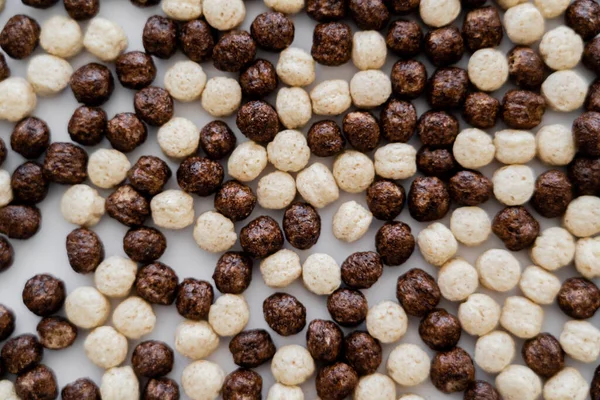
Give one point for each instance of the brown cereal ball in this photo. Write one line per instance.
(385, 199)
(363, 352)
(595, 385)
(301, 225)
(233, 272)
(440, 330)
(325, 138)
(398, 120)
(586, 131)
(259, 79)
(153, 105)
(428, 199)
(200, 176)
(144, 244)
(591, 56)
(21, 353)
(444, 46)
(160, 36)
(583, 16)
(161, 389)
(553, 193)
(258, 121)
(82, 9)
(403, 6)
(135, 69)
(196, 40)
(447, 88)
(470, 188)
(87, 125)
(4, 68)
(409, 78)
(369, 14)
(336, 382)
(37, 383)
(3, 151)
(30, 137)
(157, 284)
(284, 314)
(84, 250)
(361, 270)
(481, 110)
(404, 38)
(437, 128)
(417, 292)
(194, 298)
(395, 243)
(20, 36)
(481, 390)
(233, 51)
(92, 84)
(525, 67)
(361, 130)
(326, 10)
(272, 31)
(217, 140)
(127, 206)
(522, 109)
(7, 322)
(543, 354)
(242, 384)
(436, 162)
(81, 389)
(584, 173)
(252, 348)
(347, 307)
(56, 333)
(28, 183)
(144, 3)
(152, 359)
(7, 255)
(20, 222)
(332, 43)
(579, 298)
(452, 371)
(592, 100)
(235, 200)
(482, 28)
(44, 294)
(516, 227)
(149, 175)
(324, 340)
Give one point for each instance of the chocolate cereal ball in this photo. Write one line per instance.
(252, 348)
(395, 243)
(161, 389)
(481, 110)
(516, 227)
(436, 162)
(259, 79)
(347, 307)
(92, 84)
(583, 16)
(361, 130)
(87, 125)
(326, 10)
(194, 298)
(444, 46)
(28, 183)
(447, 88)
(332, 43)
(584, 173)
(440, 330)
(81, 389)
(144, 244)
(235, 200)
(522, 109)
(7, 255)
(553, 193)
(233, 51)
(586, 131)
(437, 128)
(302, 225)
(82, 9)
(44, 294)
(592, 100)
(153, 105)
(481, 390)
(200, 176)
(591, 56)
(404, 38)
(135, 69)
(336, 382)
(362, 352)
(21, 353)
(525, 67)
(385, 199)
(258, 121)
(20, 222)
(56, 333)
(196, 40)
(578, 298)
(543, 354)
(127, 206)
(417, 292)
(4, 68)
(152, 358)
(217, 140)
(324, 340)
(284, 314)
(452, 371)
(144, 3)
(272, 31)
(470, 188)
(325, 138)
(157, 283)
(125, 132)
(85, 250)
(149, 175)
(233, 273)
(369, 14)
(398, 120)
(160, 36)
(37, 383)
(361, 270)
(7, 322)
(20, 36)
(409, 78)
(242, 384)
(482, 28)
(3, 151)
(428, 199)
(30, 137)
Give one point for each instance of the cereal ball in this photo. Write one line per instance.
(153, 105)
(525, 67)
(498, 270)
(252, 348)
(233, 51)
(28, 183)
(224, 16)
(317, 185)
(543, 355)
(488, 69)
(202, 380)
(555, 144)
(281, 269)
(579, 298)
(482, 28)
(398, 120)
(258, 121)
(586, 260)
(539, 285)
(324, 340)
(17, 99)
(134, 318)
(19, 222)
(56, 333)
(87, 125)
(119, 382)
(481, 110)
(362, 130)
(494, 351)
(233, 273)
(261, 237)
(404, 38)
(229, 315)
(561, 48)
(473, 148)
(351, 222)
(258, 79)
(591, 59)
(84, 250)
(514, 146)
(444, 46)
(332, 43)
(38, 382)
(276, 190)
(65, 163)
(6, 188)
(82, 205)
(440, 330)
(408, 365)
(513, 184)
(92, 84)
(325, 138)
(417, 292)
(564, 91)
(436, 162)
(86, 307)
(387, 322)
(292, 365)
(235, 200)
(301, 225)
(554, 248)
(196, 40)
(347, 307)
(385, 199)
(152, 358)
(247, 161)
(581, 341)
(437, 128)
(336, 381)
(331, 97)
(524, 24)
(581, 216)
(115, 276)
(369, 15)
(195, 339)
(437, 244)
(470, 225)
(592, 101)
(194, 298)
(127, 206)
(321, 274)
(21, 353)
(296, 67)
(221, 96)
(325, 10)
(185, 81)
(395, 243)
(479, 314)
(361, 270)
(584, 132)
(409, 78)
(521, 317)
(82, 388)
(48, 75)
(447, 88)
(370, 88)
(159, 36)
(566, 383)
(517, 381)
(553, 193)
(480, 390)
(107, 168)
(584, 17)
(272, 31)
(6, 261)
(428, 199)
(125, 132)
(457, 280)
(522, 109)
(216, 139)
(144, 244)
(7, 322)
(395, 161)
(551, 9)
(362, 352)
(452, 371)
(157, 283)
(437, 13)
(293, 107)
(284, 314)
(284, 392)
(354, 171)
(105, 347)
(516, 227)
(288, 151)
(61, 37)
(242, 383)
(105, 39)
(182, 10)
(200, 176)
(44, 294)
(368, 50)
(20, 36)
(214, 232)
(375, 386)
(172, 209)
(178, 138)
(135, 69)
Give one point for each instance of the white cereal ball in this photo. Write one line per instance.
(119, 383)
(185, 81)
(498, 270)
(506, 4)
(331, 97)
(396, 161)
(7, 388)
(182, 10)
(86, 307)
(214, 232)
(457, 280)
(513, 184)
(48, 74)
(276, 190)
(202, 380)
(524, 24)
(375, 386)
(582, 217)
(115, 276)
(285, 6)
(61, 36)
(195, 339)
(292, 365)
(293, 107)
(351, 221)
(410, 397)
(518, 382)
(488, 69)
(82, 205)
(368, 50)
(564, 91)
(521, 317)
(178, 138)
(105, 347)
(551, 8)
(229, 315)
(387, 322)
(6, 193)
(473, 148)
(317, 185)
(281, 269)
(370, 88)
(408, 365)
(437, 244)
(553, 248)
(295, 67)
(353, 171)
(470, 225)
(494, 351)
(221, 96)
(539, 285)
(555, 144)
(105, 39)
(17, 99)
(561, 48)
(107, 168)
(224, 14)
(247, 161)
(581, 341)
(288, 151)
(568, 384)
(172, 209)
(321, 274)
(438, 13)
(587, 257)
(479, 314)
(514, 146)
(284, 392)
(134, 317)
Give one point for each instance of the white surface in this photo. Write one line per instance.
(45, 252)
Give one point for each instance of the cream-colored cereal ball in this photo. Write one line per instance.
(115, 275)
(514, 146)
(202, 380)
(524, 24)
(438, 13)
(276, 190)
(295, 67)
(195, 339)
(61, 36)
(582, 217)
(134, 317)
(224, 14)
(554, 248)
(561, 48)
(185, 81)
(214, 232)
(470, 225)
(370, 88)
(564, 90)
(172, 209)
(7, 388)
(284, 392)
(494, 351)
(457, 280)
(410, 397)
(281, 269)
(119, 383)
(539, 285)
(288, 151)
(48, 74)
(105, 39)
(521, 317)
(293, 107)
(506, 4)
(353, 171)
(86, 307)
(17, 99)
(321, 274)
(351, 221)
(221, 96)
(82, 205)
(317, 185)
(229, 315)
(105, 347)
(566, 384)
(587, 257)
(479, 314)
(182, 10)
(285, 6)
(551, 8)
(178, 138)
(513, 184)
(375, 386)
(396, 161)
(473, 148)
(331, 97)
(368, 50)
(6, 193)
(408, 365)
(498, 270)
(107, 168)
(437, 244)
(387, 322)
(292, 365)
(488, 69)
(581, 341)
(518, 382)
(555, 144)
(247, 161)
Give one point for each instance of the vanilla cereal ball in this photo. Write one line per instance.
(387, 322)
(317, 185)
(172, 209)
(551, 8)
(351, 221)
(288, 151)
(410, 397)
(353, 171)
(82, 205)
(582, 217)
(224, 15)
(295, 67)
(276, 190)
(105, 347)
(331, 97)
(587, 257)
(281, 269)
(437, 244)
(514, 146)
(561, 48)
(566, 384)
(564, 91)
(473, 148)
(221, 96)
(479, 314)
(408, 365)
(553, 248)
(182, 10)
(247, 161)
(494, 351)
(195, 339)
(105, 39)
(283, 392)
(488, 69)
(371, 88)
(285, 6)
(506, 4)
(498, 270)
(539, 285)
(470, 225)
(17, 99)
(521, 317)
(555, 144)
(581, 341)
(524, 24)
(119, 383)
(321, 274)
(368, 50)
(214, 232)
(229, 315)
(6, 193)
(107, 168)
(292, 365)
(178, 138)
(375, 386)
(396, 161)
(513, 184)
(438, 13)
(457, 280)
(134, 317)
(48, 74)
(202, 380)
(61, 36)
(86, 307)
(518, 382)
(293, 107)
(185, 81)
(7, 389)
(115, 276)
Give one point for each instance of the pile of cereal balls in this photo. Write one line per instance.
(368, 143)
